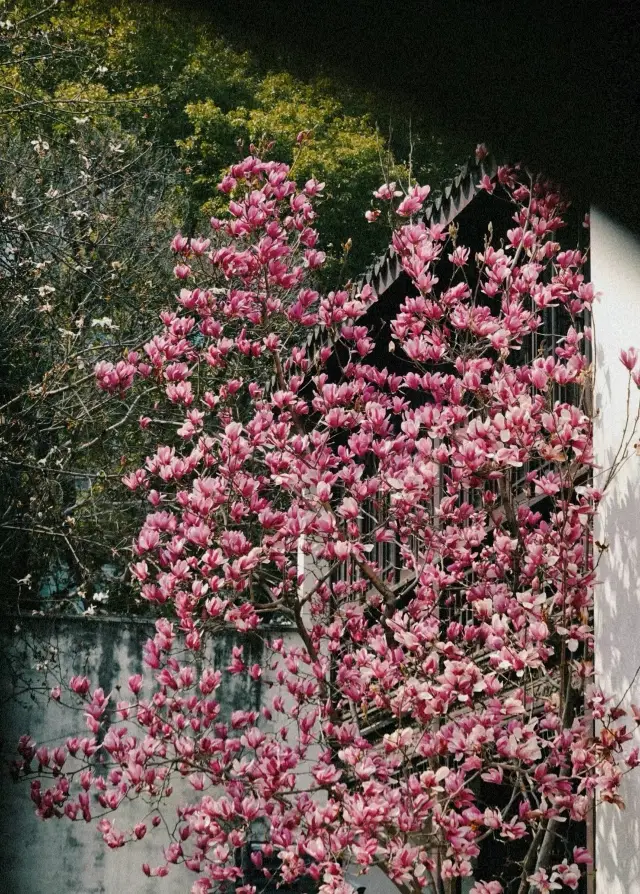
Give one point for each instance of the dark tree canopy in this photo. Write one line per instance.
(554, 84)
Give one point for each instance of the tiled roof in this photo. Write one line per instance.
(443, 208)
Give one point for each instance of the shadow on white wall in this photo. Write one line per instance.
(615, 271)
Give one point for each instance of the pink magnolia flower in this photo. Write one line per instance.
(387, 191)
(541, 882)
(408, 206)
(179, 243)
(459, 256)
(629, 358)
(80, 685)
(487, 888)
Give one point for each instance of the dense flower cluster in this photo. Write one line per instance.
(299, 464)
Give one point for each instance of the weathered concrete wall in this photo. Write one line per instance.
(615, 270)
(60, 857)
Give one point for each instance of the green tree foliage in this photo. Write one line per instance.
(116, 120)
(162, 72)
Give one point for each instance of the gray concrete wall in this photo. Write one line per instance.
(58, 856)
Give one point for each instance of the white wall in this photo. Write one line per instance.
(615, 271)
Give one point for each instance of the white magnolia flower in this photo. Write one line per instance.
(104, 323)
(40, 146)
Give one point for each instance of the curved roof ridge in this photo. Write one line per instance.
(442, 209)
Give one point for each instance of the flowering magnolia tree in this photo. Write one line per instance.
(425, 528)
